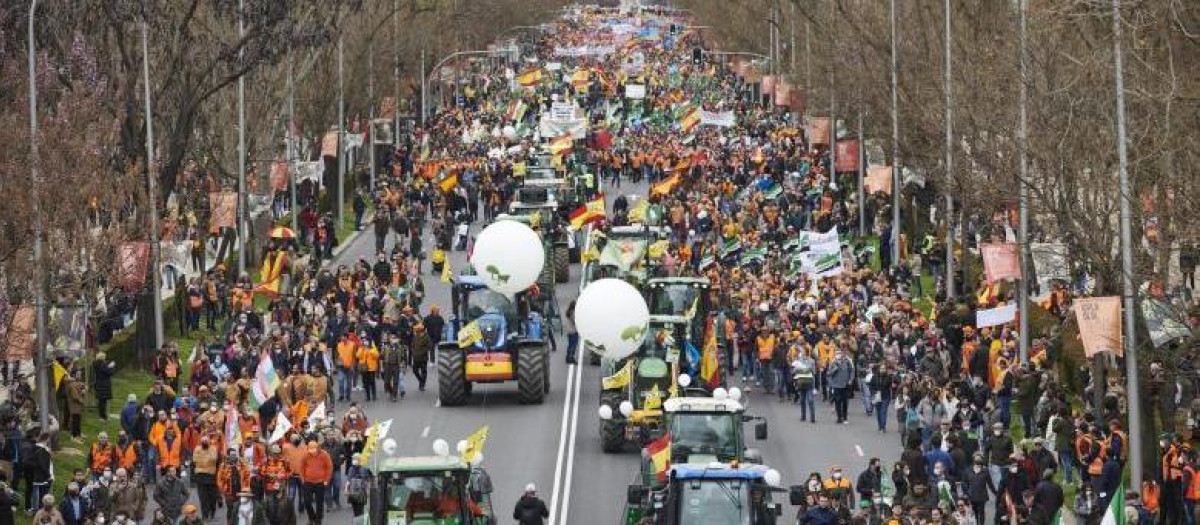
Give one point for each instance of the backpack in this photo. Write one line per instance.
(912, 419)
(356, 489)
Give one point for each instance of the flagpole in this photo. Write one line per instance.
(1131, 364)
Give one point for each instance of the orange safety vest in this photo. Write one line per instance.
(102, 457)
(127, 458)
(225, 479)
(170, 455)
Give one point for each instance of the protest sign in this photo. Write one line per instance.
(329, 144)
(1099, 321)
(1049, 263)
(132, 259)
(722, 119)
(635, 91)
(1000, 261)
(878, 179)
(222, 207)
(818, 130)
(996, 316)
(1165, 321)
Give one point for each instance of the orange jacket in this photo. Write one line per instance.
(316, 467)
(368, 358)
(345, 353)
(766, 345)
(225, 477)
(275, 473)
(295, 457)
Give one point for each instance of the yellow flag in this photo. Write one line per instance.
(653, 398)
(469, 334)
(638, 212)
(659, 248)
(475, 443)
(446, 270)
(619, 379)
(59, 373)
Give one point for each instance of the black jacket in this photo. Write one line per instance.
(979, 486)
(530, 510)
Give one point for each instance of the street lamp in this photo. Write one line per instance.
(437, 66)
(39, 293)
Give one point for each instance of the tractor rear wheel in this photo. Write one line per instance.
(562, 264)
(452, 378)
(612, 431)
(531, 374)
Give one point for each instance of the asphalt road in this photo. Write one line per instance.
(556, 445)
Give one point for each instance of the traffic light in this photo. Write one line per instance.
(697, 56)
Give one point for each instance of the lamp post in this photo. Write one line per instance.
(39, 292)
(896, 179)
(949, 87)
(341, 127)
(1022, 187)
(152, 190)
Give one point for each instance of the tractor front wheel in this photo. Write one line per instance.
(612, 431)
(531, 374)
(452, 378)
(562, 264)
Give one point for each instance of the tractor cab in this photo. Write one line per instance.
(433, 490)
(707, 429)
(679, 309)
(707, 494)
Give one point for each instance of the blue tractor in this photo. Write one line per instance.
(507, 344)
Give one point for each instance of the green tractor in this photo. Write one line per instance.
(429, 490)
(509, 346)
(700, 494)
(680, 307)
(536, 204)
(622, 253)
(709, 428)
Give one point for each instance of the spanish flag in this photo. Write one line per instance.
(710, 368)
(448, 182)
(530, 78)
(690, 119)
(590, 212)
(562, 145)
(659, 454)
(666, 186)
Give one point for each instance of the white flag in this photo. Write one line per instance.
(317, 416)
(282, 426)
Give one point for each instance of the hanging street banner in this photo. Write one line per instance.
(818, 130)
(878, 179)
(1165, 321)
(846, 153)
(1049, 263)
(132, 260)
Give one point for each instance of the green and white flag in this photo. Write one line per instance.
(758, 253)
(1115, 515)
(731, 246)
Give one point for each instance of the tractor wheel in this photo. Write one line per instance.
(612, 431)
(531, 374)
(546, 381)
(562, 264)
(452, 379)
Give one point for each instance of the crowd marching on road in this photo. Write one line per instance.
(270, 424)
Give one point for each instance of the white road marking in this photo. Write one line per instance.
(437, 403)
(562, 441)
(425, 433)
(566, 492)
(859, 450)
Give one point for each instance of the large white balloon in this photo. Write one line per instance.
(613, 317)
(508, 256)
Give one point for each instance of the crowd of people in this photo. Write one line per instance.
(856, 329)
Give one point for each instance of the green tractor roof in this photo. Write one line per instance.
(422, 464)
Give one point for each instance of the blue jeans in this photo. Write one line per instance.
(1004, 403)
(781, 381)
(808, 409)
(748, 362)
(572, 346)
(1066, 463)
(868, 407)
(881, 413)
(335, 486)
(344, 382)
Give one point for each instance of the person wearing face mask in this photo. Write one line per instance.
(171, 493)
(246, 511)
(870, 481)
(233, 480)
(99, 493)
(129, 496)
(998, 449)
(47, 514)
(73, 507)
(838, 487)
(316, 471)
(1013, 484)
(204, 463)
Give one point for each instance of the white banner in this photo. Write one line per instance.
(723, 119)
(996, 316)
(820, 242)
(635, 91)
(584, 51)
(175, 253)
(354, 140)
(309, 171)
(562, 111)
(576, 128)
(1049, 263)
